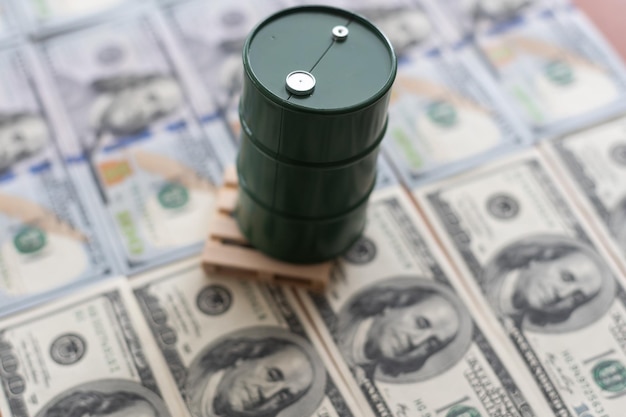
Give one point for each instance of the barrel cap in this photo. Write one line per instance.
(351, 67)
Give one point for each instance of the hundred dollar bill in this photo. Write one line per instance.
(525, 254)
(239, 349)
(467, 17)
(46, 15)
(443, 118)
(131, 118)
(385, 177)
(7, 24)
(82, 356)
(553, 66)
(48, 239)
(215, 53)
(594, 163)
(405, 339)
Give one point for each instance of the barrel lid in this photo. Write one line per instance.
(349, 70)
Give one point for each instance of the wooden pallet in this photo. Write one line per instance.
(226, 251)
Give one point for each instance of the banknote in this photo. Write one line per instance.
(26, 138)
(469, 17)
(594, 162)
(553, 67)
(236, 348)
(42, 15)
(7, 23)
(155, 167)
(443, 118)
(82, 356)
(216, 53)
(533, 262)
(385, 176)
(44, 224)
(407, 341)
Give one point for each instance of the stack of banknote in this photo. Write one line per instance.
(490, 279)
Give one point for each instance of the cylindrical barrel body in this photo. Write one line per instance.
(313, 112)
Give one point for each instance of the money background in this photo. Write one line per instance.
(134, 185)
(523, 248)
(396, 276)
(202, 325)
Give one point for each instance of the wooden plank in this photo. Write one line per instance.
(236, 261)
(227, 200)
(227, 252)
(224, 228)
(231, 177)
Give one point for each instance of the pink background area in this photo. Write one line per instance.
(608, 16)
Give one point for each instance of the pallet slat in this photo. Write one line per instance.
(224, 228)
(226, 251)
(227, 200)
(230, 177)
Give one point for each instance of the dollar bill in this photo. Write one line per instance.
(236, 348)
(81, 356)
(41, 16)
(528, 257)
(7, 23)
(385, 176)
(443, 118)
(470, 17)
(216, 54)
(132, 119)
(594, 162)
(48, 239)
(552, 65)
(406, 340)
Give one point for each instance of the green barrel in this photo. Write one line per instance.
(313, 113)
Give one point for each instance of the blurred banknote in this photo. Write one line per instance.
(385, 177)
(479, 16)
(47, 238)
(7, 23)
(525, 254)
(404, 337)
(215, 53)
(552, 64)
(81, 356)
(44, 14)
(595, 162)
(132, 120)
(239, 349)
(443, 118)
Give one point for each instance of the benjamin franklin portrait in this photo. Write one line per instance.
(404, 329)
(121, 105)
(260, 372)
(549, 283)
(106, 398)
(129, 104)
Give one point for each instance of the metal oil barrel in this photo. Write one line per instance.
(313, 113)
